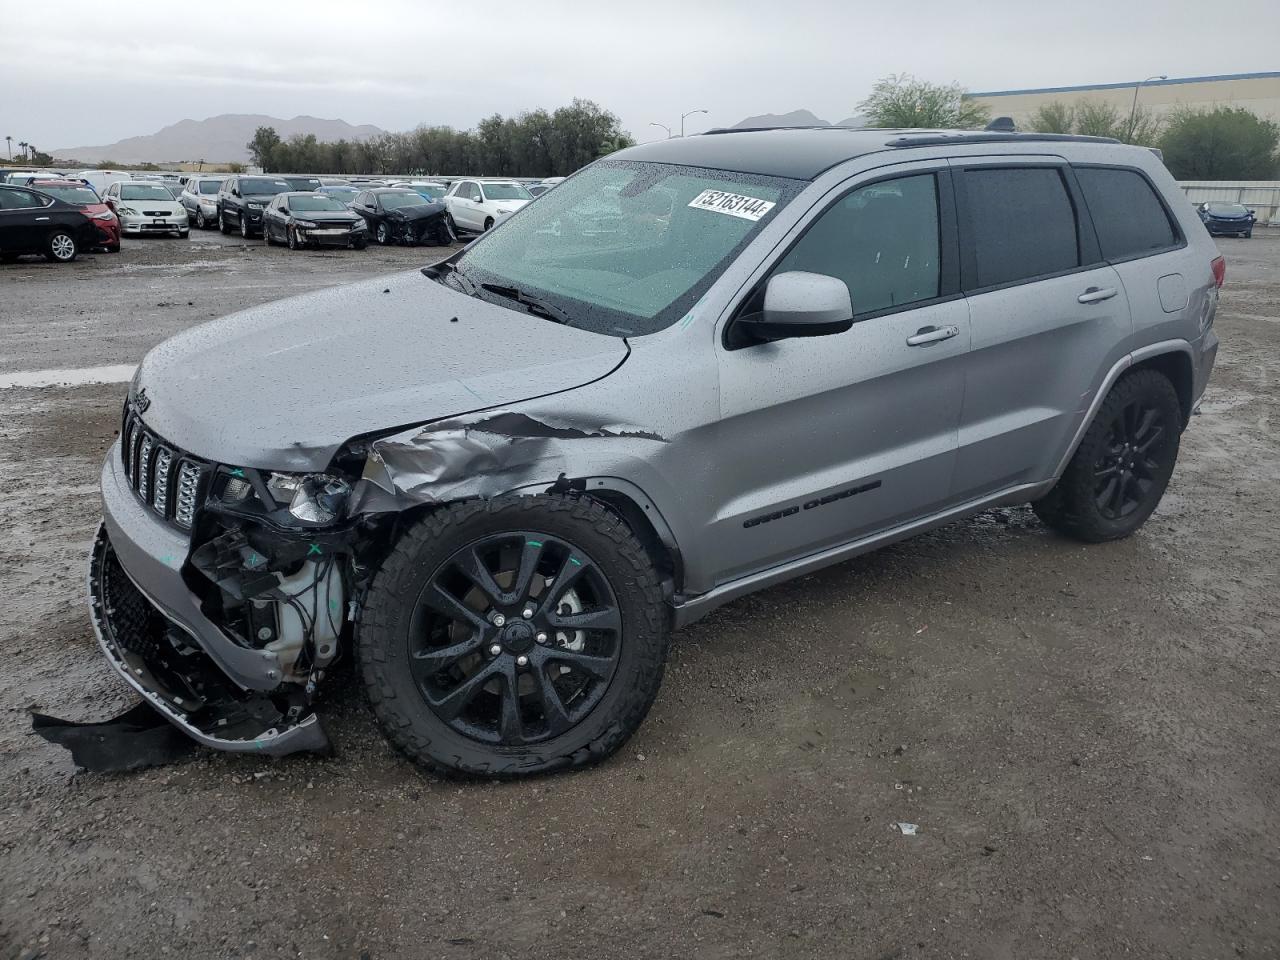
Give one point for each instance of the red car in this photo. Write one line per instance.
(83, 196)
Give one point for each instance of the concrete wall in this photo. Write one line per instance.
(1258, 92)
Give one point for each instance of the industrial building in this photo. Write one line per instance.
(1258, 92)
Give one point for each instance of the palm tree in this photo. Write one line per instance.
(23, 145)
(8, 142)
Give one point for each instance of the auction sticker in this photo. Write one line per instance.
(734, 204)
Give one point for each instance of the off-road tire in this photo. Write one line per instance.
(383, 648)
(1070, 507)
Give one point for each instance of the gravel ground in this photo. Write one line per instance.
(1086, 736)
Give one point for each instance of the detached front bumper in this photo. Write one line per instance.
(155, 635)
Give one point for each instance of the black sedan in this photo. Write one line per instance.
(398, 215)
(1227, 219)
(34, 222)
(304, 219)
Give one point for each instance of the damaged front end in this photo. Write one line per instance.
(225, 616)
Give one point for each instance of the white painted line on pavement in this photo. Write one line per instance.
(119, 373)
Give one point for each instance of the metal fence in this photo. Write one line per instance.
(1260, 196)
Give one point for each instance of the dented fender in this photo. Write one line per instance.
(487, 454)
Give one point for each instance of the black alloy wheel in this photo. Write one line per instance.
(1117, 475)
(515, 638)
(1128, 465)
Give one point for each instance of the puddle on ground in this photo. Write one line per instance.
(119, 373)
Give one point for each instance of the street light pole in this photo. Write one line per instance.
(1133, 110)
(689, 114)
(663, 126)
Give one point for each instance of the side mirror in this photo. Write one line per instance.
(801, 304)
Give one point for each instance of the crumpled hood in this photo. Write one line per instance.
(420, 211)
(284, 385)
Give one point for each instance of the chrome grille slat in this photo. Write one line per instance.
(160, 482)
(163, 477)
(184, 510)
(143, 483)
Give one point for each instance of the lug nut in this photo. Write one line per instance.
(522, 661)
(541, 638)
(499, 620)
(495, 649)
(528, 613)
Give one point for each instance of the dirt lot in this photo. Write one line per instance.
(1087, 736)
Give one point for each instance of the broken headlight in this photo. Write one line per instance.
(315, 499)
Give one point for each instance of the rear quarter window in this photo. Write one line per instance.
(1127, 214)
(1021, 224)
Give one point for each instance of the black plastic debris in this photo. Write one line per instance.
(138, 738)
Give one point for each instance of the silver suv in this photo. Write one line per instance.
(695, 369)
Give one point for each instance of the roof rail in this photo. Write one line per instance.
(719, 130)
(940, 139)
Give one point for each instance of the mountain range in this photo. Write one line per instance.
(218, 139)
(797, 118)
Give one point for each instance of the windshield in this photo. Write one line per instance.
(258, 187)
(627, 248)
(210, 186)
(428, 190)
(303, 183)
(345, 192)
(143, 191)
(76, 195)
(318, 202)
(402, 198)
(1230, 209)
(505, 191)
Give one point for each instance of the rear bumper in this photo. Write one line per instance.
(1204, 365)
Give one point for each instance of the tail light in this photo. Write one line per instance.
(1219, 267)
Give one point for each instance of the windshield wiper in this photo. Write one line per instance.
(535, 305)
(439, 271)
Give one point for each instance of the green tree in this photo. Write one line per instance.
(900, 100)
(1222, 143)
(1054, 117)
(265, 140)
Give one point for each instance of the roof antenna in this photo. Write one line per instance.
(1001, 125)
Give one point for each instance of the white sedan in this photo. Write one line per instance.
(476, 205)
(146, 208)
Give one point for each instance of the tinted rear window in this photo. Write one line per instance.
(1022, 224)
(1128, 216)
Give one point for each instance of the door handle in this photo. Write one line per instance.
(927, 335)
(1097, 295)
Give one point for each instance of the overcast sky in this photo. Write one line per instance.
(95, 72)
